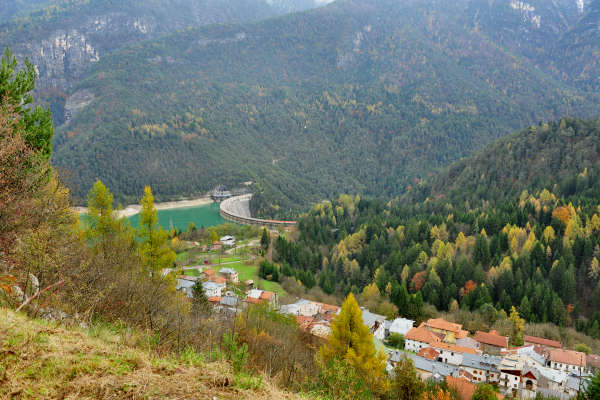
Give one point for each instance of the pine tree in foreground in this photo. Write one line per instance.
(351, 341)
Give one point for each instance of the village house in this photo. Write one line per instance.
(592, 363)
(491, 342)
(229, 303)
(310, 308)
(468, 342)
(450, 331)
(429, 353)
(230, 274)
(208, 275)
(483, 368)
(529, 383)
(567, 360)
(312, 317)
(316, 327)
(185, 284)
(429, 369)
(375, 323)
(527, 354)
(256, 296)
(575, 384)
(228, 241)
(450, 353)
(551, 382)
(419, 338)
(511, 369)
(400, 326)
(212, 289)
(545, 344)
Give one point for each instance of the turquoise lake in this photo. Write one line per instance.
(201, 216)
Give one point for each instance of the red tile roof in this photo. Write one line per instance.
(542, 341)
(428, 353)
(454, 348)
(209, 272)
(266, 295)
(464, 388)
(214, 299)
(491, 338)
(219, 279)
(442, 324)
(421, 335)
(569, 357)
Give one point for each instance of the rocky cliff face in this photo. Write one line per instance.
(65, 44)
(64, 55)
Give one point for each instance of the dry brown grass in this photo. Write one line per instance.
(39, 359)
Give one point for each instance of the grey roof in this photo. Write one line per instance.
(369, 318)
(229, 271)
(552, 374)
(575, 383)
(401, 325)
(535, 357)
(434, 367)
(396, 356)
(231, 301)
(485, 362)
(210, 285)
(184, 284)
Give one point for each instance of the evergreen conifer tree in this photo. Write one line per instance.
(351, 341)
(154, 250)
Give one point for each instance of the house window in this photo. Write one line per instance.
(529, 384)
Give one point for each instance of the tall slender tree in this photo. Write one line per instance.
(351, 341)
(154, 250)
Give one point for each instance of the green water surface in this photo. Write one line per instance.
(201, 216)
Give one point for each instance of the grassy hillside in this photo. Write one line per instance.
(42, 359)
(358, 96)
(561, 156)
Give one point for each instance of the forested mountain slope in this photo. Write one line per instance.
(11, 8)
(66, 37)
(561, 156)
(578, 51)
(361, 96)
(534, 245)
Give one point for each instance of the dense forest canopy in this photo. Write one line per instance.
(561, 156)
(366, 97)
(538, 251)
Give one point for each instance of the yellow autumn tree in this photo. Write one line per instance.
(518, 327)
(154, 248)
(351, 341)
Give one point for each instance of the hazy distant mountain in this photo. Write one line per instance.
(578, 51)
(11, 8)
(358, 96)
(65, 39)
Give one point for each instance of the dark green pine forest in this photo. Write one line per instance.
(485, 246)
(367, 97)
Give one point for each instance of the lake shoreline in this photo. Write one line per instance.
(134, 209)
